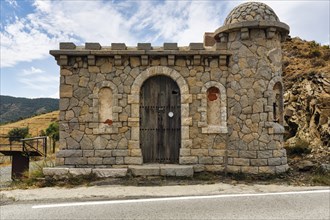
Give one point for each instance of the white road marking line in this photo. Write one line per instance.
(174, 199)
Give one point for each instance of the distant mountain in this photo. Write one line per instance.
(13, 109)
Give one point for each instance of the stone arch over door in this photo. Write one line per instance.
(134, 101)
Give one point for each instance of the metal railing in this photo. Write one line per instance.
(36, 146)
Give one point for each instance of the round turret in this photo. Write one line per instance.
(251, 11)
(248, 16)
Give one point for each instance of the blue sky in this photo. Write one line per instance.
(30, 28)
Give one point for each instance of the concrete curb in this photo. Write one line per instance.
(125, 192)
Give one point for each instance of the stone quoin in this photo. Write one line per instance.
(211, 106)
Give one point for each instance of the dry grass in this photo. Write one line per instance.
(35, 124)
(321, 179)
(301, 57)
(34, 177)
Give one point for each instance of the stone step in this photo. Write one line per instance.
(162, 170)
(62, 172)
(136, 170)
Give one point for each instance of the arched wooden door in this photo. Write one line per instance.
(160, 120)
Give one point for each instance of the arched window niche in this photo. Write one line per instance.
(275, 111)
(213, 108)
(278, 103)
(105, 108)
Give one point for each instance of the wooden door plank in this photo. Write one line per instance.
(160, 135)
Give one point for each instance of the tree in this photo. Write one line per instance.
(53, 132)
(16, 134)
(42, 133)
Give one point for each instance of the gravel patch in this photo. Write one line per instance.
(5, 173)
(5, 176)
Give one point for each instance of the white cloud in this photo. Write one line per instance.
(38, 80)
(41, 82)
(309, 20)
(12, 3)
(178, 21)
(87, 20)
(163, 20)
(200, 20)
(30, 38)
(31, 71)
(22, 42)
(55, 95)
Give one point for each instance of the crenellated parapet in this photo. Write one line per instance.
(197, 52)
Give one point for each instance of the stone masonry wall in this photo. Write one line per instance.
(231, 97)
(255, 67)
(87, 142)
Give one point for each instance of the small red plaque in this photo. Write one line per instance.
(108, 122)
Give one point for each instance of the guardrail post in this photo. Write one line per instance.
(20, 164)
(45, 146)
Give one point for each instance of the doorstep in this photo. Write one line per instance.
(162, 170)
(136, 170)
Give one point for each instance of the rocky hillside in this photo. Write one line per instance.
(306, 72)
(13, 109)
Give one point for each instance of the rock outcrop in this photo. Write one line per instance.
(306, 73)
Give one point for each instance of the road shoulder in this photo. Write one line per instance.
(130, 192)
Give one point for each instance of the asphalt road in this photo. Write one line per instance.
(285, 205)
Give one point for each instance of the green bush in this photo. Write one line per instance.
(42, 133)
(314, 44)
(53, 132)
(316, 62)
(315, 53)
(321, 179)
(16, 134)
(301, 147)
(326, 47)
(239, 176)
(34, 177)
(326, 55)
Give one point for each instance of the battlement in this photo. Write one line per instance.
(197, 51)
(69, 48)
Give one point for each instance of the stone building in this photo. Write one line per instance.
(212, 106)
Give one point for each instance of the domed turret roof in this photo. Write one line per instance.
(251, 11)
